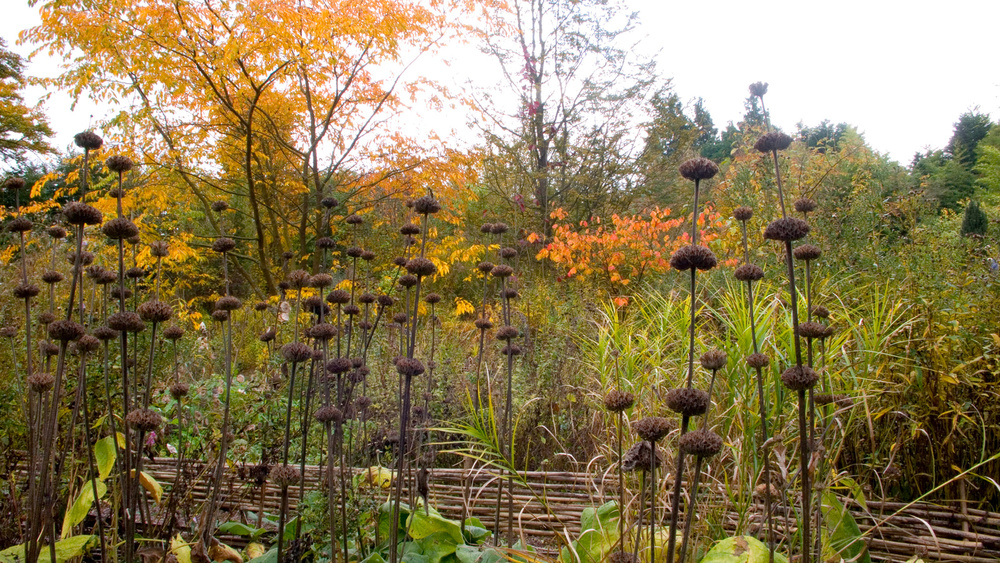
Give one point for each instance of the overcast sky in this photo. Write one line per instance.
(901, 71)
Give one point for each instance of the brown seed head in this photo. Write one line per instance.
(409, 367)
(126, 321)
(640, 458)
(618, 401)
(508, 253)
(227, 303)
(799, 378)
(821, 311)
(687, 401)
(173, 332)
(25, 290)
(743, 213)
(700, 443)
(502, 271)
(88, 140)
(179, 390)
(119, 163)
(421, 267)
(46, 318)
(748, 272)
(787, 229)
(77, 213)
(220, 205)
(354, 219)
(433, 298)
(155, 311)
(507, 333)
(812, 329)
(426, 205)
(338, 366)
(805, 205)
(773, 141)
(19, 225)
(407, 280)
(296, 352)
(409, 229)
(693, 256)
(324, 331)
(65, 330)
(483, 324)
(104, 333)
(284, 476)
(325, 243)
(220, 316)
(56, 232)
(499, 228)
(698, 169)
(13, 183)
(298, 279)
(338, 297)
(758, 360)
(329, 414)
(223, 244)
(144, 420)
(159, 248)
(652, 428)
(52, 277)
(758, 89)
(40, 382)
(713, 360)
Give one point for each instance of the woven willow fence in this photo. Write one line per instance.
(547, 504)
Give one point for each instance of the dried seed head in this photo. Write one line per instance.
(821, 311)
(88, 140)
(133, 240)
(512, 350)
(19, 225)
(433, 298)
(324, 331)
(77, 213)
(325, 243)
(502, 271)
(338, 297)
(296, 352)
(223, 244)
(119, 163)
(227, 303)
(787, 229)
(159, 248)
(116, 193)
(329, 414)
(354, 219)
(385, 300)
(363, 402)
(135, 273)
(173, 332)
(399, 261)
(354, 252)
(298, 279)
(56, 232)
(640, 458)
(25, 290)
(485, 267)
(758, 89)
(87, 344)
(14, 184)
(144, 420)
(508, 253)
(338, 366)
(284, 476)
(622, 556)
(773, 141)
(426, 205)
(154, 311)
(52, 277)
(268, 335)
(618, 401)
(700, 443)
(507, 333)
(805, 205)
(86, 258)
(407, 280)
(48, 348)
(749, 272)
(499, 228)
(46, 318)
(117, 292)
(807, 252)
(65, 330)
(687, 401)
(486, 228)
(713, 360)
(693, 256)
(368, 298)
(758, 360)
(799, 378)
(106, 276)
(104, 333)
(260, 306)
(179, 390)
(220, 205)
(812, 329)
(838, 399)
(329, 202)
(652, 428)
(742, 213)
(409, 367)
(483, 324)
(409, 229)
(421, 267)
(320, 281)
(368, 255)
(220, 316)
(40, 382)
(698, 169)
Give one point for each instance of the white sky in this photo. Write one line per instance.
(901, 71)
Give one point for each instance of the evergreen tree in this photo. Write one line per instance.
(975, 221)
(22, 129)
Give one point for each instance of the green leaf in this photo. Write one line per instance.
(78, 511)
(741, 549)
(422, 525)
(475, 532)
(272, 557)
(468, 554)
(437, 546)
(104, 454)
(237, 529)
(385, 520)
(842, 537)
(69, 548)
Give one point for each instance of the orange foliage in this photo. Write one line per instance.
(624, 251)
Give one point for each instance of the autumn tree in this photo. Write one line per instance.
(273, 105)
(580, 91)
(23, 129)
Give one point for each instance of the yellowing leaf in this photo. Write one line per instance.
(79, 509)
(151, 485)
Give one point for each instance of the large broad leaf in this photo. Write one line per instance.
(79, 509)
(181, 549)
(475, 532)
(150, 484)
(66, 549)
(272, 557)
(467, 554)
(741, 549)
(841, 536)
(385, 520)
(437, 546)
(104, 455)
(237, 529)
(423, 523)
(598, 535)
